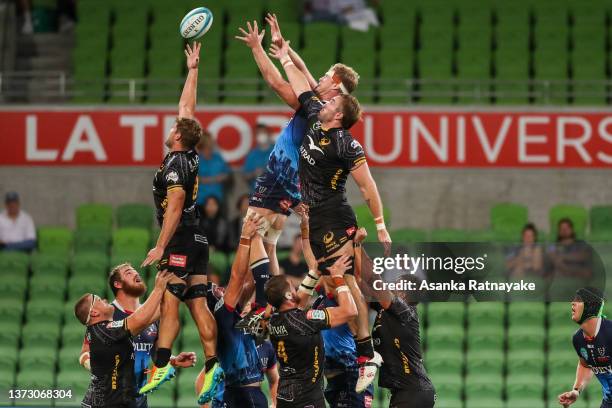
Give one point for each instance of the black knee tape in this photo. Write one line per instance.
(195, 291)
(330, 261)
(177, 289)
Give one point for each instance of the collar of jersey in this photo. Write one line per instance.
(329, 129)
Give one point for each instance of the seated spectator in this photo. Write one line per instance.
(214, 225)
(213, 171)
(17, 231)
(235, 227)
(257, 159)
(294, 265)
(353, 13)
(528, 259)
(570, 257)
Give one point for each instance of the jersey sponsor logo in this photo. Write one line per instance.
(142, 346)
(328, 238)
(584, 353)
(312, 146)
(334, 180)
(178, 260)
(356, 145)
(602, 370)
(115, 324)
(315, 314)
(306, 156)
(172, 177)
(279, 331)
(315, 364)
(200, 238)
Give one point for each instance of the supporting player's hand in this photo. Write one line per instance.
(251, 224)
(185, 359)
(252, 38)
(193, 55)
(341, 265)
(277, 37)
(385, 239)
(161, 279)
(154, 255)
(568, 398)
(279, 52)
(360, 235)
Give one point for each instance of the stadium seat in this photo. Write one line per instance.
(526, 338)
(37, 357)
(92, 239)
(526, 314)
(14, 262)
(525, 391)
(73, 332)
(484, 362)
(480, 391)
(57, 240)
(508, 220)
(218, 261)
(525, 361)
(485, 338)
(441, 337)
(95, 215)
(41, 334)
(49, 264)
(90, 264)
(483, 314)
(408, 235)
(48, 287)
(445, 313)
(130, 241)
(9, 336)
(576, 213)
(11, 309)
(79, 285)
(365, 220)
(74, 380)
(134, 216)
(45, 310)
(600, 221)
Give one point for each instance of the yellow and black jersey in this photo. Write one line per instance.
(112, 365)
(326, 158)
(296, 337)
(178, 170)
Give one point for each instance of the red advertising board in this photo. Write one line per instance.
(392, 139)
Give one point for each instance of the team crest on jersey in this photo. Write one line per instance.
(356, 145)
(584, 353)
(178, 260)
(324, 141)
(115, 324)
(314, 314)
(329, 237)
(601, 351)
(172, 177)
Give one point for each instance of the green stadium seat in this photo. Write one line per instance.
(486, 338)
(37, 357)
(365, 220)
(559, 313)
(600, 221)
(13, 287)
(79, 285)
(526, 338)
(14, 262)
(448, 235)
(408, 235)
(56, 240)
(73, 332)
(525, 391)
(95, 215)
(75, 380)
(509, 218)
(90, 264)
(440, 337)
(576, 213)
(560, 337)
(135, 216)
(526, 314)
(481, 362)
(481, 314)
(92, 239)
(47, 287)
(11, 309)
(9, 336)
(525, 361)
(41, 334)
(49, 264)
(35, 378)
(218, 261)
(445, 313)
(444, 363)
(483, 388)
(45, 310)
(131, 241)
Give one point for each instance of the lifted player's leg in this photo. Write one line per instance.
(271, 239)
(195, 298)
(169, 327)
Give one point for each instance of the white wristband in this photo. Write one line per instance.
(84, 360)
(381, 226)
(342, 288)
(309, 282)
(576, 393)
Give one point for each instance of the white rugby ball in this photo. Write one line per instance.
(196, 23)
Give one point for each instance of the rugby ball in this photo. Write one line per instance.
(196, 23)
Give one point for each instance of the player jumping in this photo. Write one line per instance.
(181, 246)
(327, 155)
(593, 344)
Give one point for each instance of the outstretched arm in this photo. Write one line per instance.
(583, 376)
(188, 97)
(277, 38)
(146, 314)
(297, 79)
(252, 38)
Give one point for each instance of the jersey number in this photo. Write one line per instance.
(281, 352)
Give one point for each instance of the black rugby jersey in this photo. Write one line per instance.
(326, 158)
(397, 339)
(178, 170)
(296, 337)
(112, 365)
(597, 354)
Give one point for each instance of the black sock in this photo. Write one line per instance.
(365, 348)
(210, 363)
(162, 357)
(261, 274)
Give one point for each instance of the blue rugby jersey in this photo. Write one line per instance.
(597, 354)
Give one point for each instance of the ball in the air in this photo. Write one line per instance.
(196, 23)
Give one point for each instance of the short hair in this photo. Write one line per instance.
(348, 76)
(351, 111)
(190, 131)
(275, 290)
(81, 308)
(531, 227)
(115, 276)
(569, 222)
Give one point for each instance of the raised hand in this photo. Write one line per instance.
(277, 37)
(252, 38)
(341, 265)
(279, 52)
(193, 55)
